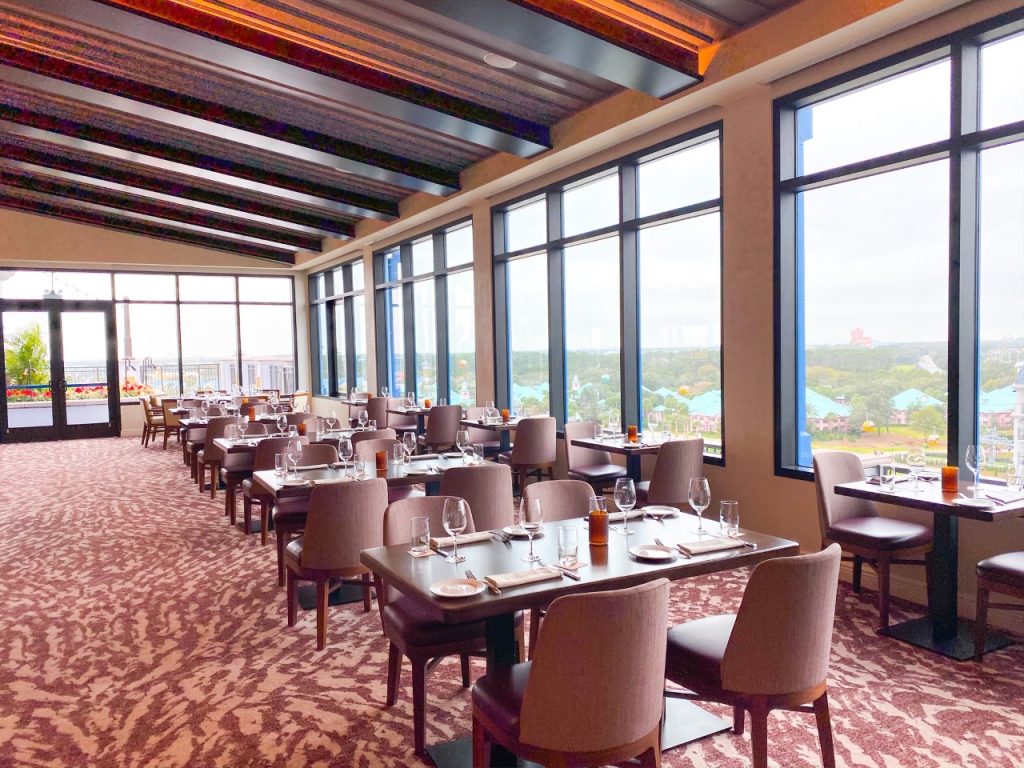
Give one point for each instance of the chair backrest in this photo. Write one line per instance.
(561, 499)
(578, 456)
(677, 462)
(318, 453)
(782, 637)
(616, 676)
(830, 469)
(300, 400)
(263, 456)
(343, 520)
(217, 410)
(488, 489)
(172, 420)
(536, 442)
(255, 429)
(215, 428)
(366, 450)
(399, 419)
(147, 409)
(442, 425)
(294, 419)
(372, 434)
(477, 434)
(377, 409)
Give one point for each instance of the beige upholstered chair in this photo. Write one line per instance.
(488, 489)
(366, 450)
(1003, 574)
(534, 451)
(300, 401)
(210, 456)
(344, 519)
(478, 436)
(857, 527)
(263, 459)
(677, 462)
(377, 410)
(400, 422)
(372, 434)
(582, 703)
(172, 421)
(442, 426)
(236, 468)
(588, 464)
(153, 423)
(772, 654)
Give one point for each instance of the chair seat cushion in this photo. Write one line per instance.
(879, 533)
(505, 457)
(499, 696)
(291, 512)
(399, 492)
(695, 651)
(406, 618)
(592, 472)
(1006, 569)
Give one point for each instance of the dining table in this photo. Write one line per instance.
(413, 410)
(605, 568)
(942, 630)
(645, 445)
(495, 424)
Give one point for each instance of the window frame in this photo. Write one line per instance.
(330, 301)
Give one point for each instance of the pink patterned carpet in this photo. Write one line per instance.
(138, 629)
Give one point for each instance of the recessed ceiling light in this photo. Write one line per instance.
(498, 61)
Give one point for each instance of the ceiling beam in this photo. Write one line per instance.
(569, 32)
(55, 208)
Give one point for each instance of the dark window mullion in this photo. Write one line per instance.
(629, 323)
(441, 315)
(557, 382)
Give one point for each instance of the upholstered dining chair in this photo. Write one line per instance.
(860, 530)
(210, 456)
(582, 703)
(588, 464)
(410, 631)
(172, 421)
(535, 450)
(344, 519)
(480, 436)
(237, 467)
(400, 422)
(366, 451)
(1003, 574)
(263, 459)
(289, 514)
(442, 427)
(772, 654)
(153, 423)
(676, 463)
(488, 489)
(377, 410)
(372, 434)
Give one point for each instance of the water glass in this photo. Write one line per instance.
(442, 401)
(397, 454)
(280, 464)
(419, 533)
(478, 453)
(729, 518)
(231, 432)
(597, 430)
(568, 545)
(699, 497)
(371, 424)
(887, 475)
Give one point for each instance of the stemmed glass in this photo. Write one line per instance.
(362, 418)
(916, 461)
(243, 424)
(625, 500)
(454, 521)
(489, 410)
(409, 444)
(531, 515)
(352, 395)
(700, 498)
(975, 460)
(205, 408)
(462, 442)
(332, 419)
(294, 453)
(385, 391)
(344, 451)
(282, 423)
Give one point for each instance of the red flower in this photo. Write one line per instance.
(47, 393)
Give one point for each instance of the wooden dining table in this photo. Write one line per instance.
(418, 411)
(503, 428)
(645, 446)
(941, 630)
(608, 567)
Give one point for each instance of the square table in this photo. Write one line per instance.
(503, 428)
(418, 411)
(941, 631)
(610, 567)
(645, 446)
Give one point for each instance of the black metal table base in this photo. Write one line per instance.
(342, 594)
(960, 647)
(254, 525)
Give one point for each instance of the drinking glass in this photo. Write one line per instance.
(568, 545)
(243, 424)
(362, 418)
(729, 518)
(419, 533)
(205, 408)
(1015, 480)
(371, 424)
(700, 498)
(531, 515)
(478, 453)
(887, 474)
(916, 461)
(625, 500)
(282, 423)
(344, 451)
(454, 520)
(293, 430)
(398, 455)
(332, 419)
(352, 395)
(597, 430)
(409, 444)
(385, 391)
(975, 461)
(410, 398)
(231, 432)
(280, 464)
(462, 442)
(442, 401)
(294, 452)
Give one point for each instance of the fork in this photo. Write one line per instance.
(494, 589)
(679, 549)
(653, 517)
(503, 537)
(564, 571)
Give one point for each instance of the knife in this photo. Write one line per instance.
(564, 571)
(439, 551)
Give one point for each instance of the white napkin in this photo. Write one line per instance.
(519, 578)
(466, 538)
(709, 544)
(425, 457)
(616, 517)
(1005, 495)
(332, 481)
(303, 467)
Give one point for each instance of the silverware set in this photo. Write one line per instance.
(491, 587)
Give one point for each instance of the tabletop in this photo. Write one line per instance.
(619, 444)
(493, 426)
(933, 499)
(422, 469)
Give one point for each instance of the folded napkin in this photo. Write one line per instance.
(616, 517)
(876, 480)
(453, 455)
(332, 480)
(519, 578)
(466, 538)
(425, 457)
(1005, 495)
(709, 544)
(303, 467)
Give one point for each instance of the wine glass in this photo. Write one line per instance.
(409, 444)
(282, 423)
(385, 391)
(489, 409)
(625, 500)
(294, 453)
(531, 515)
(243, 424)
(205, 408)
(410, 399)
(462, 442)
(700, 498)
(344, 451)
(363, 418)
(454, 521)
(975, 461)
(332, 419)
(916, 461)
(352, 395)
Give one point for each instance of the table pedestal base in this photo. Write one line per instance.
(254, 525)
(340, 595)
(919, 632)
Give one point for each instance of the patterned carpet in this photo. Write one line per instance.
(139, 629)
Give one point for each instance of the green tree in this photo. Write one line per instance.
(26, 358)
(928, 420)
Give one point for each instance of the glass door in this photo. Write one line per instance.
(60, 370)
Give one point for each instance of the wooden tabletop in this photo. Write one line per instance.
(421, 470)
(933, 499)
(610, 567)
(493, 426)
(619, 444)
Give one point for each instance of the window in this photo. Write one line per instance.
(901, 324)
(426, 338)
(608, 294)
(337, 330)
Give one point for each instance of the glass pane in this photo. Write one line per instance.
(1002, 81)
(268, 337)
(318, 286)
(425, 321)
(680, 328)
(423, 256)
(32, 284)
(1001, 313)
(528, 334)
(338, 281)
(277, 289)
(359, 331)
(526, 225)
(139, 286)
(461, 339)
(340, 360)
(458, 245)
(209, 348)
(592, 344)
(392, 266)
(206, 288)
(875, 303)
(147, 348)
(395, 330)
(27, 369)
(682, 178)
(323, 361)
(590, 206)
(900, 112)
(357, 275)
(85, 367)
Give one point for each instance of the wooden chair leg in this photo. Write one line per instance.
(883, 592)
(367, 594)
(282, 542)
(980, 623)
(214, 479)
(246, 512)
(264, 520)
(858, 567)
(394, 674)
(464, 666)
(481, 746)
(292, 598)
(322, 594)
(759, 734)
(534, 630)
(419, 705)
(167, 434)
(738, 715)
(824, 720)
(521, 642)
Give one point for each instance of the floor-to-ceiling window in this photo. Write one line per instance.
(338, 330)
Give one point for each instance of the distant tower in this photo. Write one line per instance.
(1018, 417)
